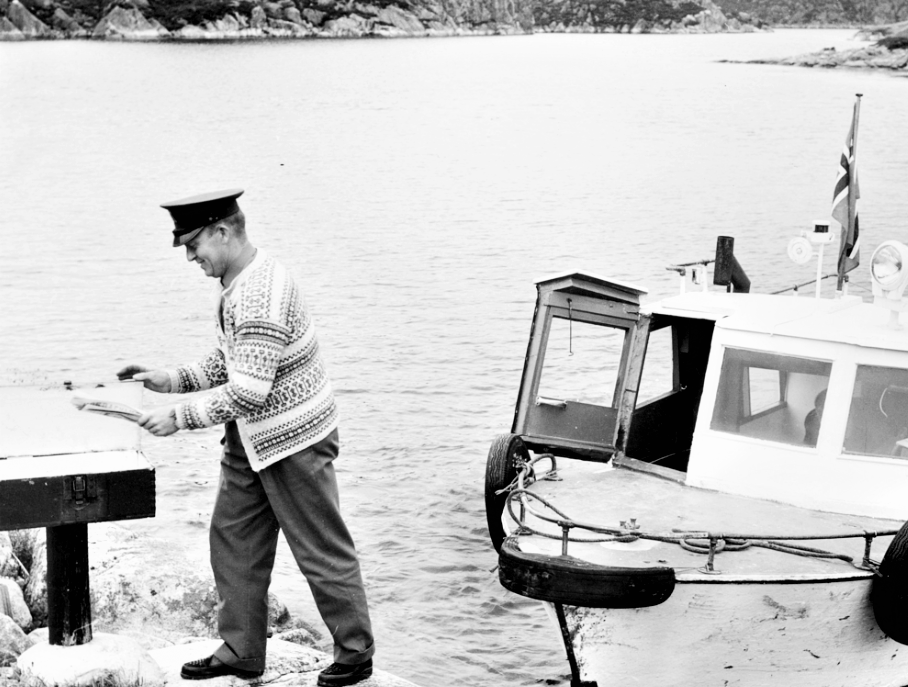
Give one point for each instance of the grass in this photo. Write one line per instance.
(108, 679)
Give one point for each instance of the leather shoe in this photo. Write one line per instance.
(338, 674)
(207, 668)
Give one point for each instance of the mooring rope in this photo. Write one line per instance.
(700, 542)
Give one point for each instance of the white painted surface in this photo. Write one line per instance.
(819, 634)
(25, 467)
(821, 477)
(36, 421)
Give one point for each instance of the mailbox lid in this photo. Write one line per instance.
(45, 491)
(40, 421)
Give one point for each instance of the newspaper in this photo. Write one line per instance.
(110, 408)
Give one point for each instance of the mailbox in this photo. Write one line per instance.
(62, 468)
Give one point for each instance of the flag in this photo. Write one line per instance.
(845, 199)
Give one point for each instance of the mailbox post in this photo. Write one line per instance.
(62, 469)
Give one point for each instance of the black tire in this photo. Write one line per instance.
(889, 595)
(575, 582)
(505, 455)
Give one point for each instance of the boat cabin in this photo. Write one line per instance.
(793, 399)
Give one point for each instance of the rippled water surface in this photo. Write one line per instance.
(416, 187)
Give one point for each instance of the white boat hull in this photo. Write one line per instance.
(819, 634)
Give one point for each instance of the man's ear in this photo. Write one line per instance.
(222, 231)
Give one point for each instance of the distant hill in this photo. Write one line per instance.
(240, 19)
(820, 12)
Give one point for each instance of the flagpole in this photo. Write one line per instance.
(852, 199)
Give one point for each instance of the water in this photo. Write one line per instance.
(416, 188)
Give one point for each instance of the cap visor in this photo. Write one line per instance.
(185, 238)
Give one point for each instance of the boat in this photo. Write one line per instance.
(712, 489)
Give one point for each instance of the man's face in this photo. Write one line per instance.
(208, 248)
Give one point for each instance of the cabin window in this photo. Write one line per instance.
(658, 377)
(771, 396)
(878, 416)
(581, 363)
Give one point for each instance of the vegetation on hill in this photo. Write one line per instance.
(820, 12)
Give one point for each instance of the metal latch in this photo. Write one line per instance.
(84, 488)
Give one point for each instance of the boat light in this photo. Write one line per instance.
(889, 270)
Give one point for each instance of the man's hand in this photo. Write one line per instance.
(154, 380)
(160, 421)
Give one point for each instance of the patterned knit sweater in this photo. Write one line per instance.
(267, 369)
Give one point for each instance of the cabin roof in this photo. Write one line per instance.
(579, 281)
(847, 320)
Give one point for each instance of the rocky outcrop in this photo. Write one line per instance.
(9, 31)
(257, 19)
(13, 641)
(669, 16)
(27, 23)
(141, 589)
(127, 24)
(890, 53)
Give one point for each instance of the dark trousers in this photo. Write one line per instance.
(298, 495)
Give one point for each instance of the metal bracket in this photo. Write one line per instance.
(569, 648)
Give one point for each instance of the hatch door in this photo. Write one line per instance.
(576, 370)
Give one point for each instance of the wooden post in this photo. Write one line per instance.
(68, 599)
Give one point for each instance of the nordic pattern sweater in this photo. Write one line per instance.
(267, 372)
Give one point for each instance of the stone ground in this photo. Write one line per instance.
(289, 665)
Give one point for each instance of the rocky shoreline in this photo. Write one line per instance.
(889, 51)
(141, 589)
(151, 20)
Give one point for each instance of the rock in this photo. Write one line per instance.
(352, 26)
(64, 22)
(314, 17)
(104, 658)
(125, 24)
(33, 5)
(230, 26)
(288, 29)
(365, 10)
(301, 635)
(273, 10)
(8, 565)
(293, 15)
(9, 32)
(398, 18)
(141, 587)
(257, 18)
(12, 604)
(13, 641)
(285, 662)
(25, 21)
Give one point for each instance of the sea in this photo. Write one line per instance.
(416, 188)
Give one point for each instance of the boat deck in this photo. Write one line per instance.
(604, 496)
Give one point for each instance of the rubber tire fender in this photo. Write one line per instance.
(889, 594)
(505, 455)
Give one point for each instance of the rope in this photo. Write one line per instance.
(709, 543)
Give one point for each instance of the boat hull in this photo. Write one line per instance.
(740, 634)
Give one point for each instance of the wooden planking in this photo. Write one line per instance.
(49, 501)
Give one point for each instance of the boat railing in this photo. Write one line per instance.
(709, 543)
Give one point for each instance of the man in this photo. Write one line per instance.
(271, 392)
